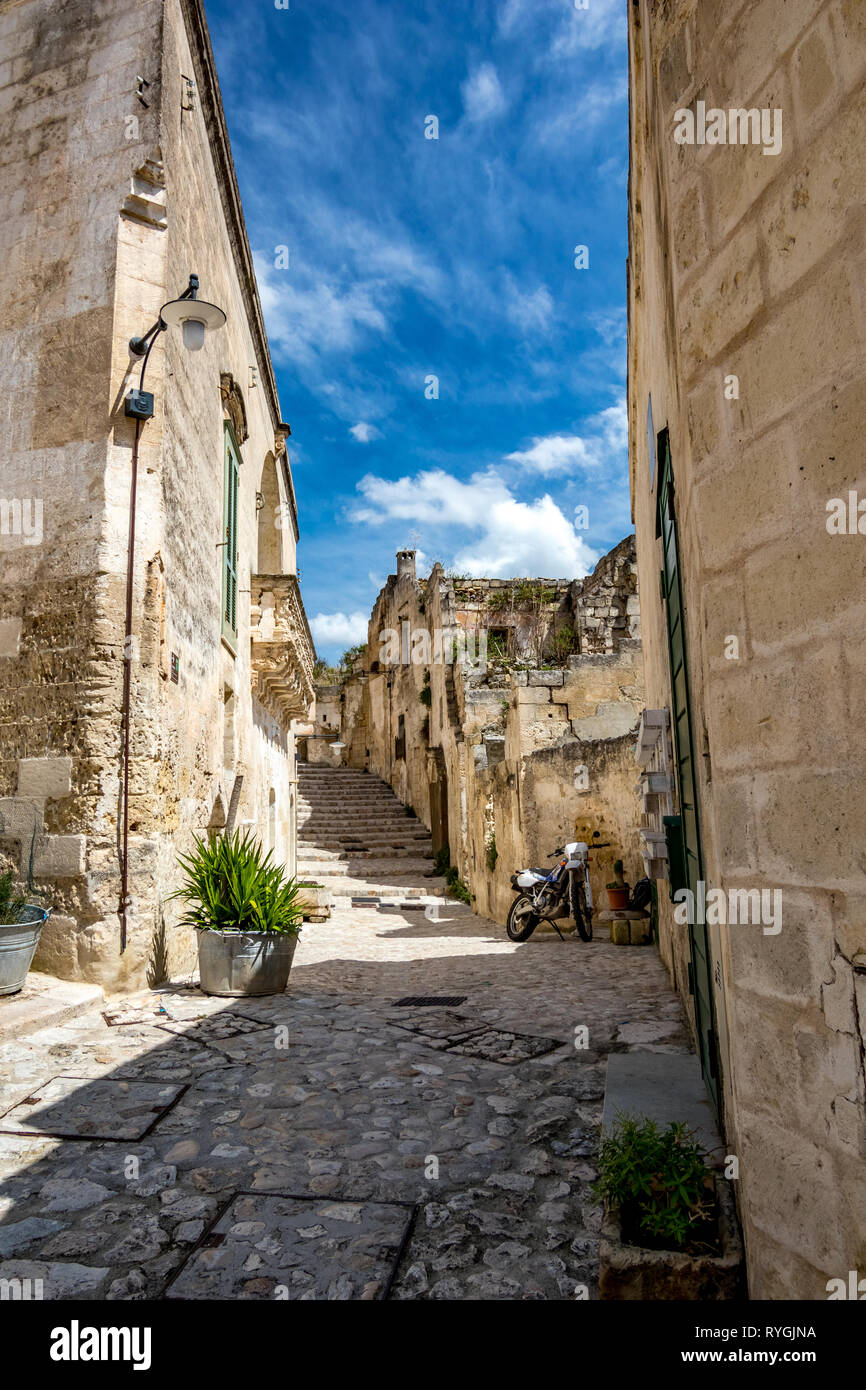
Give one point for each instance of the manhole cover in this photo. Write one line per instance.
(78, 1107)
(269, 1246)
(428, 1001)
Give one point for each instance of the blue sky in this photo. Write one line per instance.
(411, 257)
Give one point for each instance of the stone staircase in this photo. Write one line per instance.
(357, 839)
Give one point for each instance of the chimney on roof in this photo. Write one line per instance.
(405, 564)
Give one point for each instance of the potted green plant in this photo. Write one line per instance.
(246, 912)
(21, 925)
(618, 890)
(670, 1225)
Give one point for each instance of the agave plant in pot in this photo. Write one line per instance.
(246, 911)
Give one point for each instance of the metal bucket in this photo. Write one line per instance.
(18, 942)
(245, 963)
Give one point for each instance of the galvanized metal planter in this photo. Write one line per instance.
(234, 963)
(18, 942)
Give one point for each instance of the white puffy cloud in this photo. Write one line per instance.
(554, 453)
(482, 94)
(339, 629)
(364, 432)
(506, 537)
(603, 444)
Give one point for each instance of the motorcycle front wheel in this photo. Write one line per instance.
(582, 917)
(522, 921)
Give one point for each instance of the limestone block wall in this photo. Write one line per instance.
(67, 89)
(527, 758)
(746, 329)
(327, 720)
(131, 201)
(559, 772)
(550, 811)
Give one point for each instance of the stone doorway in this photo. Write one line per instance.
(439, 812)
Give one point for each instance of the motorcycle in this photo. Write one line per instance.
(548, 897)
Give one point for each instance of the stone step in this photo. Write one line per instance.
(351, 803)
(420, 843)
(333, 839)
(372, 868)
(359, 832)
(338, 812)
(319, 854)
(358, 817)
(380, 792)
(44, 1002)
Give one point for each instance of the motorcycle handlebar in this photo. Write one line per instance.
(596, 844)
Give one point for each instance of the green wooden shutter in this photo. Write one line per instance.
(700, 968)
(231, 478)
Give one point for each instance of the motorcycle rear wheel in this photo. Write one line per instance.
(521, 925)
(582, 918)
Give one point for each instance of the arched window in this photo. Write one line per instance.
(270, 521)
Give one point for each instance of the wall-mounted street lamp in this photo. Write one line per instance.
(195, 317)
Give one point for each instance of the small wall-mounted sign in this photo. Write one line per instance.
(175, 667)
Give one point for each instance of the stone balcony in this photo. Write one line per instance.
(282, 651)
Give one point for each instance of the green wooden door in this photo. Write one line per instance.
(700, 970)
(231, 475)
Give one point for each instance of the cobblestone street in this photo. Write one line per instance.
(438, 1152)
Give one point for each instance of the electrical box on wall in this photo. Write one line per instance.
(139, 405)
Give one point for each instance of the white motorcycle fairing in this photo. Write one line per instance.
(528, 879)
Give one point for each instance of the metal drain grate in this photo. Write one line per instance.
(424, 1001)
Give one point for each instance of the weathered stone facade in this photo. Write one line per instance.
(746, 344)
(503, 712)
(118, 184)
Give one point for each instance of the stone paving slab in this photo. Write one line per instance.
(64, 1108)
(44, 1001)
(291, 1247)
(507, 1049)
(227, 1024)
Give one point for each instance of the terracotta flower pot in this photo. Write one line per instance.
(617, 898)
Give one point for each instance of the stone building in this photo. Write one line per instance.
(503, 712)
(118, 184)
(747, 402)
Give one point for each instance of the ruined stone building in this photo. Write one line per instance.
(503, 712)
(747, 401)
(117, 185)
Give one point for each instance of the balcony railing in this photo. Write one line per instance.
(282, 651)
